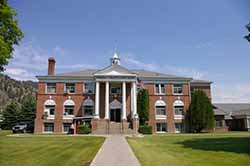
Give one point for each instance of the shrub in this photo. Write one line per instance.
(84, 129)
(145, 129)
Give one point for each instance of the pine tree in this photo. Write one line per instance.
(200, 114)
(28, 109)
(11, 115)
(143, 105)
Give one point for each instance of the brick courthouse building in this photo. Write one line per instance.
(106, 99)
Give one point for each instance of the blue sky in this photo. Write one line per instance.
(201, 39)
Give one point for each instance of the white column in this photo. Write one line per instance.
(97, 96)
(248, 123)
(107, 101)
(134, 99)
(124, 116)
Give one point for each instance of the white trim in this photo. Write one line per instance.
(65, 87)
(161, 132)
(46, 89)
(160, 102)
(177, 94)
(179, 117)
(160, 117)
(159, 86)
(178, 102)
(69, 102)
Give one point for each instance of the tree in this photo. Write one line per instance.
(200, 114)
(143, 105)
(28, 109)
(248, 36)
(10, 34)
(11, 115)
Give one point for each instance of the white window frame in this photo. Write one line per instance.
(65, 88)
(115, 88)
(161, 127)
(177, 93)
(48, 112)
(48, 132)
(68, 116)
(178, 103)
(160, 103)
(160, 89)
(46, 88)
(179, 131)
(84, 89)
(63, 127)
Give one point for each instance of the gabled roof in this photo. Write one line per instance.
(145, 74)
(233, 108)
(114, 70)
(84, 73)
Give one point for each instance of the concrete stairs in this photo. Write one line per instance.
(113, 128)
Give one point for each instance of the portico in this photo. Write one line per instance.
(115, 95)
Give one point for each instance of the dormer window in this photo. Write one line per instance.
(70, 88)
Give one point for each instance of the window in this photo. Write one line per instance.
(66, 127)
(88, 110)
(160, 110)
(115, 90)
(68, 110)
(179, 127)
(178, 89)
(218, 123)
(179, 110)
(51, 88)
(89, 87)
(50, 109)
(49, 127)
(161, 127)
(159, 88)
(70, 88)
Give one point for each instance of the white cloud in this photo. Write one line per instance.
(131, 61)
(20, 74)
(30, 60)
(231, 93)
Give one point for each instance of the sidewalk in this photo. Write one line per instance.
(115, 152)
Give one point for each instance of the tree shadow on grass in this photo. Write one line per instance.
(229, 144)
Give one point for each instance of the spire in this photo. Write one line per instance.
(115, 60)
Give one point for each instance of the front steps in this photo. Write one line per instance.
(113, 128)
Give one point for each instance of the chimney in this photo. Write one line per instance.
(51, 66)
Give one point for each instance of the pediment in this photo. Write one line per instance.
(114, 70)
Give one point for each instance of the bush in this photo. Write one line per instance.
(84, 129)
(145, 129)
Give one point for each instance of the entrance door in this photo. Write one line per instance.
(115, 115)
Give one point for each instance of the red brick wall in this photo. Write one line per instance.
(59, 98)
(78, 98)
(169, 99)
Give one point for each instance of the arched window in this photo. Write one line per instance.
(49, 107)
(69, 106)
(178, 108)
(88, 107)
(160, 109)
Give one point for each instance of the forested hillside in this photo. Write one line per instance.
(13, 90)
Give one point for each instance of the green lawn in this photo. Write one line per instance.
(216, 149)
(47, 150)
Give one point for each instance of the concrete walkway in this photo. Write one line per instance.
(115, 152)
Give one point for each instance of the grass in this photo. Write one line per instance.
(216, 149)
(41, 150)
